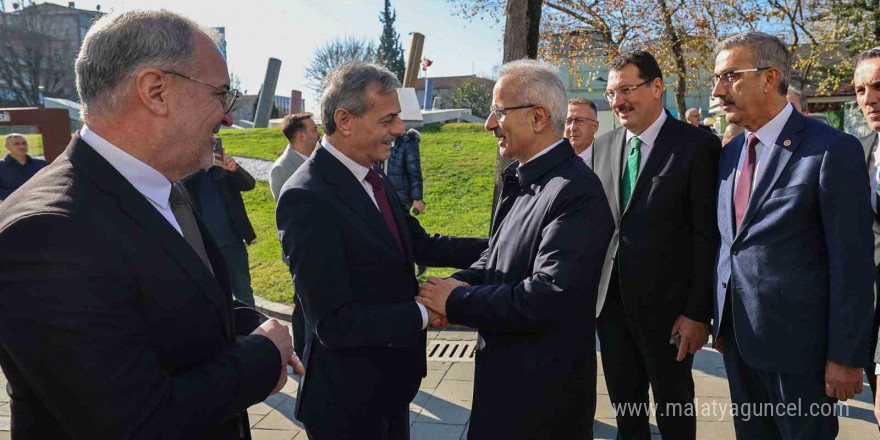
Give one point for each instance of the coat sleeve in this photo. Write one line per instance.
(845, 206)
(562, 286)
(414, 169)
(441, 250)
(242, 179)
(278, 175)
(73, 323)
(703, 198)
(312, 238)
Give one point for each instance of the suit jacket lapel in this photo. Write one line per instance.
(141, 212)
(353, 194)
(787, 142)
(614, 156)
(729, 163)
(657, 155)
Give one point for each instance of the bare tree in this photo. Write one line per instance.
(34, 54)
(333, 54)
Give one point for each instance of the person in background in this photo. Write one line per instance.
(581, 126)
(302, 136)
(17, 167)
(798, 99)
(731, 131)
(216, 195)
(404, 171)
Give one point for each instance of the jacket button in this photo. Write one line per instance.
(389, 345)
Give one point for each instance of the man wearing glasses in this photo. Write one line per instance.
(118, 320)
(581, 125)
(655, 300)
(795, 269)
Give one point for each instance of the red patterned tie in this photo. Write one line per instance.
(382, 200)
(744, 182)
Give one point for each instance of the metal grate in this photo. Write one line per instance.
(451, 351)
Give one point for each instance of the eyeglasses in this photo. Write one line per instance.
(229, 96)
(611, 95)
(501, 111)
(577, 121)
(732, 76)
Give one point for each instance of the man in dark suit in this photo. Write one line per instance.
(794, 274)
(117, 319)
(351, 249)
(867, 84)
(532, 294)
(659, 176)
(216, 194)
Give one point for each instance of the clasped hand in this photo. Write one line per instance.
(433, 294)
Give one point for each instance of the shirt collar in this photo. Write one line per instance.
(11, 160)
(359, 171)
(771, 130)
(650, 134)
(587, 154)
(149, 182)
(544, 151)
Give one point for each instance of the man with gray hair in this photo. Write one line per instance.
(117, 319)
(351, 248)
(532, 295)
(798, 99)
(581, 125)
(17, 167)
(655, 300)
(795, 269)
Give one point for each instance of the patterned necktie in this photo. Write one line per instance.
(187, 220)
(632, 168)
(744, 181)
(384, 208)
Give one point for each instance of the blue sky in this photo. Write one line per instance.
(291, 30)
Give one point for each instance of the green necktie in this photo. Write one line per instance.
(632, 168)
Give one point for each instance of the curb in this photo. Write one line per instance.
(284, 312)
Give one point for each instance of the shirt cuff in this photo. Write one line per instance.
(424, 315)
(877, 369)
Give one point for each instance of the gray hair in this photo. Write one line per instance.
(13, 136)
(766, 51)
(802, 97)
(118, 46)
(538, 83)
(347, 87)
(873, 52)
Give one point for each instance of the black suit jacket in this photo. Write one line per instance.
(232, 184)
(533, 298)
(111, 325)
(364, 345)
(869, 143)
(668, 235)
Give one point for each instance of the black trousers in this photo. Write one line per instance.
(391, 427)
(634, 358)
(772, 405)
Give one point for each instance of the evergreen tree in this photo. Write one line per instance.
(390, 52)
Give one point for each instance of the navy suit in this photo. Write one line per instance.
(364, 344)
(794, 284)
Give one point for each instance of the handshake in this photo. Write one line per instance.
(433, 294)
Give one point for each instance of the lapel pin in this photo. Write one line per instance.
(787, 143)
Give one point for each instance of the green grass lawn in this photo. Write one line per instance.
(35, 144)
(260, 143)
(458, 163)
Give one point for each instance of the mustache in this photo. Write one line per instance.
(726, 101)
(388, 140)
(623, 108)
(498, 132)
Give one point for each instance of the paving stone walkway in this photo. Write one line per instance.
(442, 406)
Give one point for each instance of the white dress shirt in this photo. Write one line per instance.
(360, 173)
(647, 137)
(587, 155)
(874, 172)
(149, 182)
(767, 136)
